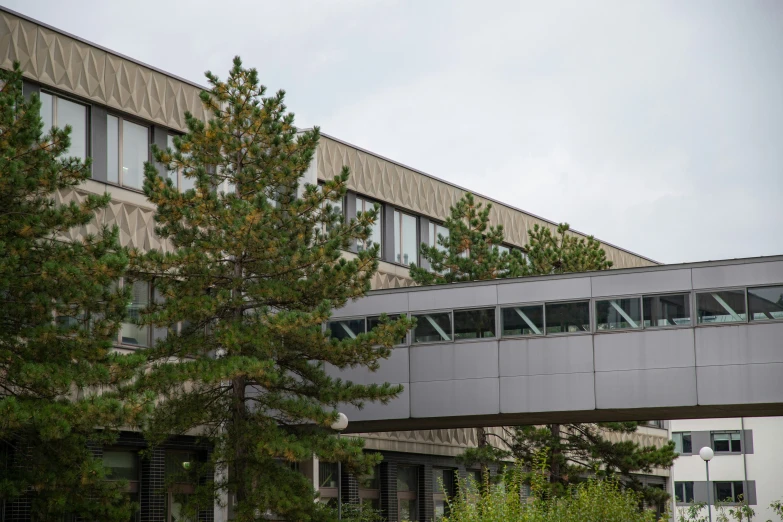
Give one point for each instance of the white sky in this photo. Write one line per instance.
(654, 125)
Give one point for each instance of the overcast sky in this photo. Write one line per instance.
(656, 126)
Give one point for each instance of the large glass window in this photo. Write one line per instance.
(432, 327)
(365, 205)
(127, 150)
(180, 493)
(130, 332)
(435, 231)
(523, 320)
(124, 465)
(683, 492)
(730, 492)
(614, 314)
(370, 489)
(726, 306)
(59, 112)
(474, 324)
(407, 487)
(682, 442)
(568, 317)
(346, 328)
(375, 320)
(406, 246)
(727, 442)
(766, 303)
(667, 310)
(443, 486)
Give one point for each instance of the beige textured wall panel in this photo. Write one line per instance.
(395, 184)
(73, 66)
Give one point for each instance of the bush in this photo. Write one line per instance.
(595, 500)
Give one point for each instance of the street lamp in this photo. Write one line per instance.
(339, 425)
(706, 455)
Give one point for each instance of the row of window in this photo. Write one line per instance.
(124, 465)
(721, 442)
(653, 311)
(731, 492)
(407, 486)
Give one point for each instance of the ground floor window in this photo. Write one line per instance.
(407, 487)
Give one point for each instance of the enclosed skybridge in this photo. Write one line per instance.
(665, 342)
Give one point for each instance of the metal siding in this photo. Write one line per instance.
(747, 274)
(548, 290)
(386, 214)
(740, 384)
(641, 283)
(546, 355)
(747, 442)
(750, 492)
(374, 305)
(398, 408)
(538, 393)
(645, 388)
(393, 369)
(639, 350)
(700, 491)
(440, 298)
(742, 344)
(30, 88)
(450, 398)
(160, 138)
(438, 362)
(699, 440)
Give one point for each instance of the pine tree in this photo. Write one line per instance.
(61, 314)
(255, 267)
(470, 252)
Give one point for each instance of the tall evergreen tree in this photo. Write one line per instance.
(60, 316)
(470, 252)
(255, 267)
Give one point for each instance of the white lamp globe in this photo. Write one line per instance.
(341, 423)
(706, 453)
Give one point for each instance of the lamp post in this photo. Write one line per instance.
(339, 425)
(706, 455)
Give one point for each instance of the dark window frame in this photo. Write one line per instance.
(751, 313)
(87, 113)
(696, 319)
(734, 494)
(682, 485)
(731, 450)
(398, 215)
(455, 311)
(542, 326)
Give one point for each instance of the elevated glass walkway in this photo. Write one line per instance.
(673, 341)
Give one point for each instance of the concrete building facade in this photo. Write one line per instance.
(118, 107)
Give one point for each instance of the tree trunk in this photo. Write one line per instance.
(554, 462)
(481, 436)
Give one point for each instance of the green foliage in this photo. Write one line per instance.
(595, 499)
(60, 317)
(254, 268)
(470, 252)
(358, 513)
(741, 511)
(695, 512)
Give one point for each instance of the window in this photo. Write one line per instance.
(523, 320)
(337, 208)
(435, 231)
(683, 492)
(568, 317)
(727, 442)
(370, 489)
(59, 112)
(407, 487)
(443, 489)
(375, 320)
(432, 327)
(178, 465)
(474, 324)
(730, 492)
(327, 482)
(682, 442)
(667, 310)
(726, 306)
(181, 182)
(124, 465)
(406, 245)
(614, 314)
(364, 205)
(127, 150)
(346, 328)
(765, 303)
(130, 332)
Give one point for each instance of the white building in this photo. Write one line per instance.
(748, 461)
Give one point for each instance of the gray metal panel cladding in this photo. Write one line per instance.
(641, 283)
(699, 440)
(640, 350)
(645, 388)
(99, 142)
(546, 355)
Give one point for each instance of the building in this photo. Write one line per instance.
(747, 463)
(117, 108)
